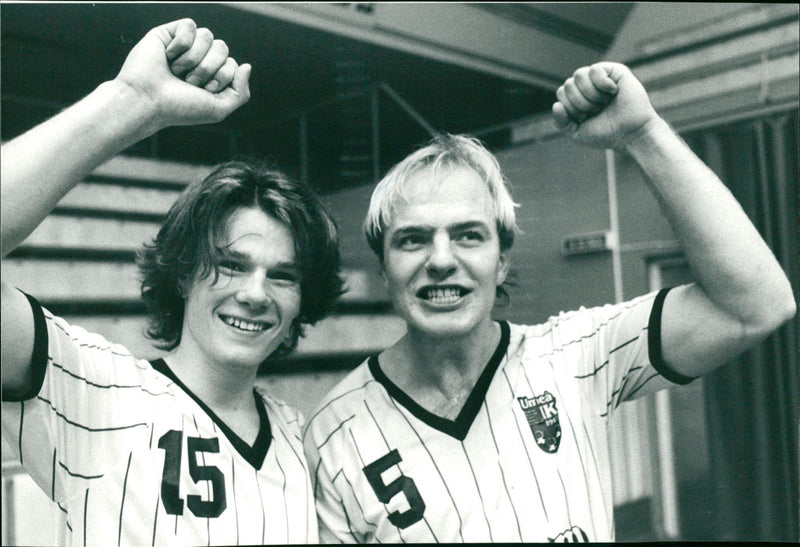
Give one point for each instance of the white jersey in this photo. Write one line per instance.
(525, 460)
(132, 457)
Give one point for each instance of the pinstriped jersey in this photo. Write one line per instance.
(525, 460)
(132, 457)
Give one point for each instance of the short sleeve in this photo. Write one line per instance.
(38, 356)
(84, 410)
(654, 343)
(614, 351)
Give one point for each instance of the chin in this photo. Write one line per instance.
(245, 360)
(444, 326)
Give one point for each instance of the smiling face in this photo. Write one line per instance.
(241, 318)
(441, 258)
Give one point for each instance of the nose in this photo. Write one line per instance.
(441, 261)
(254, 292)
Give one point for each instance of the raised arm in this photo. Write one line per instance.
(741, 293)
(42, 165)
(176, 75)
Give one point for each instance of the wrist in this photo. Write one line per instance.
(130, 113)
(652, 133)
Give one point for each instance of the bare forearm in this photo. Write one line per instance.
(732, 264)
(741, 294)
(39, 167)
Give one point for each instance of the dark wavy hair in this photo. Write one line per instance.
(187, 245)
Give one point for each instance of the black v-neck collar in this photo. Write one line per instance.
(255, 454)
(459, 427)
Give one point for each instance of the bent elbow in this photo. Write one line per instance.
(789, 309)
(781, 308)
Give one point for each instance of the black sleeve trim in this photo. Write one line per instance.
(38, 357)
(654, 343)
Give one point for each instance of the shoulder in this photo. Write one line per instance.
(577, 334)
(81, 354)
(591, 318)
(61, 332)
(343, 401)
(281, 413)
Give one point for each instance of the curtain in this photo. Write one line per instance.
(752, 403)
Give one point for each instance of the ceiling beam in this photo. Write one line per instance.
(528, 14)
(454, 33)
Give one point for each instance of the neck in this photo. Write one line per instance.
(224, 388)
(445, 368)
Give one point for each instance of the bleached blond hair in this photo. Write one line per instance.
(444, 151)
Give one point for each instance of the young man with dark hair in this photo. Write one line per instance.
(183, 450)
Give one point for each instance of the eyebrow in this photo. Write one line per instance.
(457, 227)
(244, 257)
(230, 253)
(470, 225)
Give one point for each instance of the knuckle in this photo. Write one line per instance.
(205, 34)
(182, 43)
(580, 72)
(221, 46)
(596, 70)
(228, 70)
(184, 38)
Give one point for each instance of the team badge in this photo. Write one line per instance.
(542, 416)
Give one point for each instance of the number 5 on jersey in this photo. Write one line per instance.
(386, 492)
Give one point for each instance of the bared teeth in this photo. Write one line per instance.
(443, 295)
(252, 326)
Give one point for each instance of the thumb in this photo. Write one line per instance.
(239, 89)
(224, 102)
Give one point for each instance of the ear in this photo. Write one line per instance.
(503, 267)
